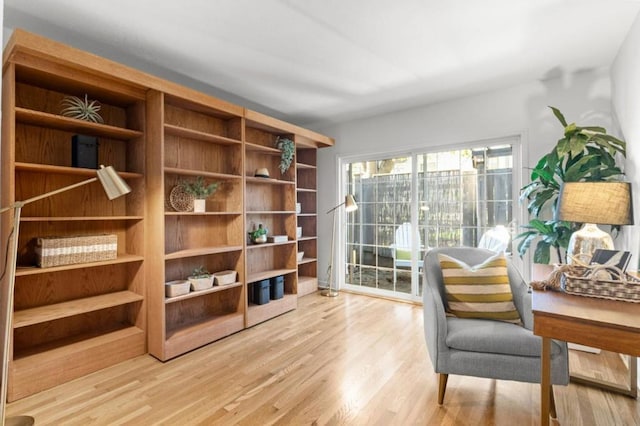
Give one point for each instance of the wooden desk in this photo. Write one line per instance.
(606, 324)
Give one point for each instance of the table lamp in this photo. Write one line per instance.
(593, 203)
(114, 187)
(349, 206)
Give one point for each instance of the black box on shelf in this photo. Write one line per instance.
(84, 151)
(276, 289)
(260, 292)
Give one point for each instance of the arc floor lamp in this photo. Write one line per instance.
(349, 206)
(114, 187)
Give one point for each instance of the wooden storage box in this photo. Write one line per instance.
(225, 277)
(56, 251)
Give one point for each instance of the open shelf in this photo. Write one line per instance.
(265, 275)
(199, 333)
(64, 170)
(307, 260)
(265, 245)
(261, 149)
(192, 294)
(122, 258)
(198, 135)
(260, 313)
(268, 181)
(189, 172)
(56, 311)
(305, 166)
(203, 213)
(77, 218)
(201, 252)
(60, 122)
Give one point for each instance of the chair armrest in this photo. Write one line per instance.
(521, 296)
(435, 321)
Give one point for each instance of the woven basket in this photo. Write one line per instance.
(56, 251)
(605, 282)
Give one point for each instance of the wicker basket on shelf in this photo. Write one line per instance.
(605, 282)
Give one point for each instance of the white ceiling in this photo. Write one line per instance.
(320, 61)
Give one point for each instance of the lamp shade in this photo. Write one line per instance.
(605, 203)
(114, 186)
(350, 203)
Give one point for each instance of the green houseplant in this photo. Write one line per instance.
(259, 235)
(200, 279)
(582, 154)
(287, 148)
(200, 190)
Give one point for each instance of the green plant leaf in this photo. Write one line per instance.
(559, 116)
(542, 253)
(540, 199)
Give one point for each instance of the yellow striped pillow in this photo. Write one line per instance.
(480, 291)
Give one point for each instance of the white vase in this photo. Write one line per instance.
(199, 205)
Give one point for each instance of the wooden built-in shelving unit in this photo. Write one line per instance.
(70, 320)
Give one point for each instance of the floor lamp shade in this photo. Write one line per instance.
(349, 206)
(114, 187)
(592, 203)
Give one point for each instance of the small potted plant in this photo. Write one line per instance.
(82, 109)
(259, 235)
(288, 149)
(200, 192)
(200, 279)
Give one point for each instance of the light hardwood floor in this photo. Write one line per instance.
(352, 360)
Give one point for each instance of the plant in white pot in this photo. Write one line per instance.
(200, 191)
(200, 279)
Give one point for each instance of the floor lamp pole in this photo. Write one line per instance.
(8, 323)
(330, 292)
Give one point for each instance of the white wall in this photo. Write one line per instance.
(625, 96)
(583, 98)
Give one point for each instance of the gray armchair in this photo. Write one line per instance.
(480, 347)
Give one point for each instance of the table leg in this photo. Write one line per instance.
(545, 382)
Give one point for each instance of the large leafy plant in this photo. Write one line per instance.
(583, 154)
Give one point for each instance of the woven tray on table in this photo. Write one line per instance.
(606, 282)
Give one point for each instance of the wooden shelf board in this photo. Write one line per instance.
(306, 190)
(203, 214)
(305, 166)
(201, 332)
(261, 148)
(263, 245)
(198, 135)
(307, 214)
(43, 119)
(268, 181)
(200, 252)
(307, 238)
(46, 366)
(77, 218)
(259, 276)
(122, 258)
(193, 294)
(70, 344)
(304, 279)
(307, 260)
(65, 170)
(26, 317)
(260, 313)
(271, 212)
(191, 172)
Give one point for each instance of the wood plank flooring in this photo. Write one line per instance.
(350, 360)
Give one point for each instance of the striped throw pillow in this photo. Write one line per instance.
(480, 291)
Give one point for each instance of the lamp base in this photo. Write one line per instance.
(19, 421)
(329, 293)
(585, 241)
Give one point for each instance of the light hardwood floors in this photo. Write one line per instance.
(351, 360)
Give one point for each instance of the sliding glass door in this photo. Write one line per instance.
(410, 203)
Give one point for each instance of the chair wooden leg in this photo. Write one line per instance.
(442, 386)
(552, 405)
